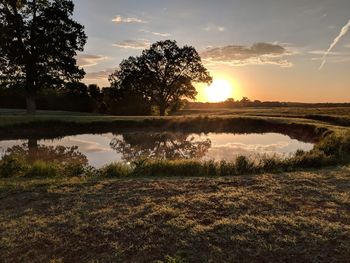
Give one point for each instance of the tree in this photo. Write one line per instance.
(38, 44)
(163, 74)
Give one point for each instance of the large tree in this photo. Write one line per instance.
(163, 74)
(38, 44)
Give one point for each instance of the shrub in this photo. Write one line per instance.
(244, 165)
(116, 170)
(11, 166)
(226, 168)
(211, 168)
(74, 169)
(42, 169)
(271, 164)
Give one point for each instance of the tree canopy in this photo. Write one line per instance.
(38, 44)
(162, 74)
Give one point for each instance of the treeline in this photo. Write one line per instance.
(77, 97)
(245, 102)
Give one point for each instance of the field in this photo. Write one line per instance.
(290, 217)
(301, 216)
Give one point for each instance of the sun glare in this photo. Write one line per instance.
(219, 90)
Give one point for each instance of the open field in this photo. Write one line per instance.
(332, 115)
(290, 217)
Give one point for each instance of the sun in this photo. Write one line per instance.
(219, 90)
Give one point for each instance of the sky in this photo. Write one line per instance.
(270, 50)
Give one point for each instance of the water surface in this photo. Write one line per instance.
(102, 149)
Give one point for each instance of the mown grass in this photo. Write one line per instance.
(332, 115)
(181, 211)
(286, 217)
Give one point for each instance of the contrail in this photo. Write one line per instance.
(342, 33)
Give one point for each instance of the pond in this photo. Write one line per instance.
(101, 149)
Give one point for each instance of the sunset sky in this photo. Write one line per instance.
(266, 49)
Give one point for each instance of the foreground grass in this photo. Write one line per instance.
(289, 217)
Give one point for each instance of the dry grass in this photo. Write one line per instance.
(291, 217)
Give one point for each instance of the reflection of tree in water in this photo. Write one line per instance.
(32, 151)
(170, 146)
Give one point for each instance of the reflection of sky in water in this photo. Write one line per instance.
(224, 146)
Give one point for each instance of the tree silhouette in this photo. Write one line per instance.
(169, 146)
(38, 44)
(163, 74)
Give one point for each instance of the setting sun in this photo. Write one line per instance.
(219, 90)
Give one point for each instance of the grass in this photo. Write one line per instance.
(287, 217)
(181, 211)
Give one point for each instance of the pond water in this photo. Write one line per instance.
(101, 149)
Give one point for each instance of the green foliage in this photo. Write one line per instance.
(115, 170)
(42, 169)
(11, 166)
(75, 169)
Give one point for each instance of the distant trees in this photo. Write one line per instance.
(38, 44)
(161, 76)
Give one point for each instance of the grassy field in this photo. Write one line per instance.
(289, 217)
(10, 117)
(283, 217)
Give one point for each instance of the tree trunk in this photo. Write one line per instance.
(162, 110)
(31, 105)
(33, 150)
(30, 89)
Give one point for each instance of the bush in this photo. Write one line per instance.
(43, 169)
(244, 165)
(11, 166)
(115, 170)
(74, 169)
(271, 164)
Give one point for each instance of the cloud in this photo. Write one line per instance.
(238, 55)
(161, 34)
(99, 75)
(156, 33)
(214, 28)
(321, 52)
(86, 60)
(133, 44)
(342, 33)
(119, 20)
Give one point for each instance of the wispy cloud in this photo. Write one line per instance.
(99, 75)
(238, 55)
(133, 44)
(214, 28)
(86, 60)
(161, 34)
(342, 33)
(156, 33)
(119, 20)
